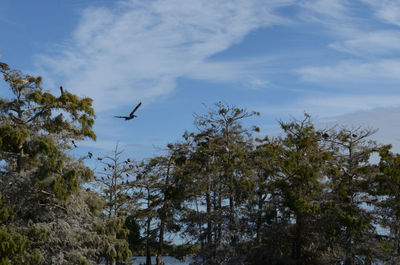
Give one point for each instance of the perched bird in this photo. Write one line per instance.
(73, 142)
(90, 154)
(62, 91)
(354, 135)
(325, 135)
(131, 115)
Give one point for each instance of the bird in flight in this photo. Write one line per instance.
(131, 115)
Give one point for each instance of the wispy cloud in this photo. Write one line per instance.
(333, 104)
(336, 16)
(139, 49)
(353, 72)
(371, 44)
(325, 10)
(386, 10)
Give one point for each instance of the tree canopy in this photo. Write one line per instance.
(231, 194)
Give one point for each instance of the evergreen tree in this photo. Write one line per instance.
(349, 227)
(385, 189)
(266, 224)
(302, 169)
(40, 182)
(221, 148)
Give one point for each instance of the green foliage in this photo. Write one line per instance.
(306, 197)
(134, 239)
(48, 218)
(113, 245)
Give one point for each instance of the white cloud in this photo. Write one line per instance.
(331, 105)
(376, 43)
(326, 10)
(353, 72)
(387, 10)
(139, 49)
(336, 16)
(348, 22)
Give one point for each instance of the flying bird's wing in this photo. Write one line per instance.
(135, 109)
(122, 117)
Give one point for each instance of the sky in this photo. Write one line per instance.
(338, 60)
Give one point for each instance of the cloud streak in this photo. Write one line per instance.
(386, 10)
(138, 50)
(354, 72)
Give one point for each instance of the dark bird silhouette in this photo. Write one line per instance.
(90, 154)
(325, 135)
(62, 91)
(99, 158)
(131, 115)
(73, 142)
(354, 135)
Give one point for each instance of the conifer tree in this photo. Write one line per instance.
(221, 147)
(40, 182)
(302, 169)
(349, 227)
(385, 188)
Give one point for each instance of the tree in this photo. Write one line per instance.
(220, 150)
(134, 239)
(40, 183)
(264, 208)
(113, 181)
(302, 168)
(385, 188)
(171, 192)
(15, 247)
(349, 226)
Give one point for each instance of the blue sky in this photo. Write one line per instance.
(335, 59)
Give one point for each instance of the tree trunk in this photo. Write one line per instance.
(259, 220)
(148, 255)
(209, 228)
(161, 241)
(349, 255)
